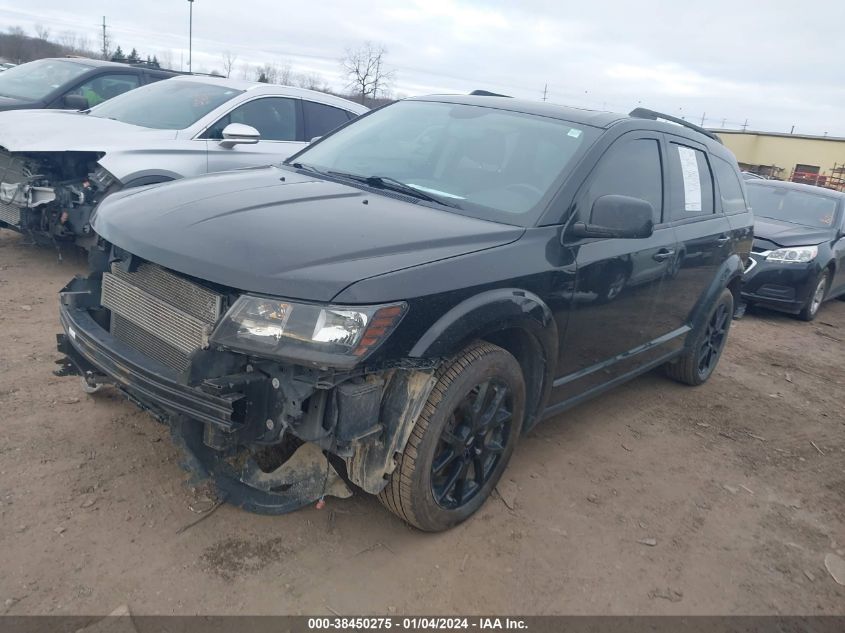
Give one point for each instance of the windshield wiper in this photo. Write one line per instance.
(391, 184)
(305, 167)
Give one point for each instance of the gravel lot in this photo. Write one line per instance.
(740, 484)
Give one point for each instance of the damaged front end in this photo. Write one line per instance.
(50, 196)
(272, 434)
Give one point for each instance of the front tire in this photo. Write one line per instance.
(462, 440)
(817, 297)
(699, 361)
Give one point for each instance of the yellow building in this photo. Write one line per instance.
(797, 157)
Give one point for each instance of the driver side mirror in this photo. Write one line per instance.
(617, 217)
(75, 102)
(239, 134)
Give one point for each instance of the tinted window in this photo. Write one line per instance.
(167, 105)
(690, 182)
(273, 117)
(730, 189)
(630, 169)
(485, 162)
(792, 205)
(39, 79)
(104, 87)
(321, 119)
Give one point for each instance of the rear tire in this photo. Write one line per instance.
(699, 361)
(811, 309)
(470, 424)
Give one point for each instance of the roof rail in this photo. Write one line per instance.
(486, 93)
(645, 113)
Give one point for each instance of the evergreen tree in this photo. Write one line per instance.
(118, 55)
(133, 56)
(262, 78)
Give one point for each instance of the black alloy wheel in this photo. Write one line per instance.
(701, 354)
(714, 340)
(471, 444)
(461, 442)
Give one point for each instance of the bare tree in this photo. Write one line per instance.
(165, 59)
(273, 73)
(229, 59)
(42, 32)
(366, 70)
(69, 40)
(311, 81)
(284, 76)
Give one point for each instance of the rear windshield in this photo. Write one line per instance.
(166, 105)
(36, 80)
(790, 205)
(483, 161)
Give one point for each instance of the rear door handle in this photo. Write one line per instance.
(662, 255)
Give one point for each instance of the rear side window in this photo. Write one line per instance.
(730, 189)
(691, 183)
(633, 169)
(320, 119)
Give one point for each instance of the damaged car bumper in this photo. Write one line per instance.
(50, 196)
(304, 427)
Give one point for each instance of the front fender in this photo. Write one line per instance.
(485, 313)
(170, 164)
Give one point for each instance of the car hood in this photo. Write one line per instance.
(12, 103)
(785, 234)
(67, 130)
(273, 231)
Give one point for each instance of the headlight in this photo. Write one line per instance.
(321, 335)
(797, 255)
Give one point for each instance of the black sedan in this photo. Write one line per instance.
(72, 83)
(798, 258)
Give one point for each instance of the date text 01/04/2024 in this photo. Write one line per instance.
(415, 623)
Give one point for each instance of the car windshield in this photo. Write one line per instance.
(166, 105)
(481, 161)
(790, 205)
(36, 80)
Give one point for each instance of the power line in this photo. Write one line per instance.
(105, 40)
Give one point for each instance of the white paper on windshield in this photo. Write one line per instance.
(692, 180)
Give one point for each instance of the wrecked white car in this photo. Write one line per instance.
(56, 166)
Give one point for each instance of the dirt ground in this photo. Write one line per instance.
(740, 482)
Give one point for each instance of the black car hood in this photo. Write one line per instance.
(273, 231)
(11, 103)
(772, 232)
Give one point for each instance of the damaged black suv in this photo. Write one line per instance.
(398, 303)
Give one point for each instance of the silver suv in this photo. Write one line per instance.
(56, 166)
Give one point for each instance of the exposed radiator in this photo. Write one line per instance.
(10, 214)
(160, 314)
(12, 170)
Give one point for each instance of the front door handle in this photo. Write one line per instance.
(724, 239)
(662, 255)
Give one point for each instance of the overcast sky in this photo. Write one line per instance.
(770, 63)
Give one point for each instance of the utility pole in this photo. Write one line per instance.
(703, 114)
(190, 30)
(105, 40)
(545, 92)
(792, 130)
(745, 125)
(724, 121)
